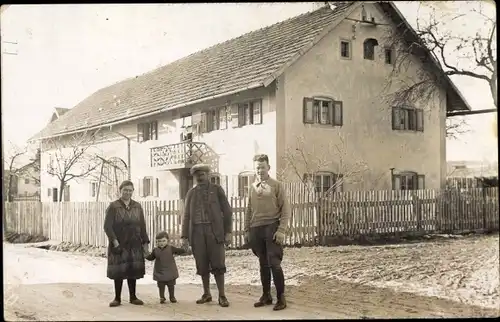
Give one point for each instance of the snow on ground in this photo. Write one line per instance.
(464, 270)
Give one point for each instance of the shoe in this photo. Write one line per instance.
(265, 299)
(173, 299)
(223, 302)
(162, 300)
(136, 301)
(115, 303)
(205, 298)
(280, 304)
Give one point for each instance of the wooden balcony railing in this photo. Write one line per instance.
(178, 155)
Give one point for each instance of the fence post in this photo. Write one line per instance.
(319, 216)
(416, 210)
(483, 190)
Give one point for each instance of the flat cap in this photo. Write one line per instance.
(200, 167)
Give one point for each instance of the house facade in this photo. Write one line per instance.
(306, 92)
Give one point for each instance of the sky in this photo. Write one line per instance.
(64, 53)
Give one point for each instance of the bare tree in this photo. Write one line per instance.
(307, 157)
(457, 53)
(72, 158)
(12, 168)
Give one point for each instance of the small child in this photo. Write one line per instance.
(165, 269)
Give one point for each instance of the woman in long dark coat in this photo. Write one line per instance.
(128, 242)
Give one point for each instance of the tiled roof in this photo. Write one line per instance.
(226, 67)
(61, 110)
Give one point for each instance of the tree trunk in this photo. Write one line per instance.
(61, 190)
(494, 89)
(9, 189)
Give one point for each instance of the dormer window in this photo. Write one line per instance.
(369, 48)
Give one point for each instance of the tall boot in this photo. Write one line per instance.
(118, 293)
(279, 283)
(132, 283)
(265, 279)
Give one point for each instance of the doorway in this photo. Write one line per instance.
(185, 183)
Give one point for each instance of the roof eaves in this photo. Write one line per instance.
(436, 63)
(305, 49)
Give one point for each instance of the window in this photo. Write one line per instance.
(388, 56)
(217, 119)
(246, 113)
(408, 181)
(147, 131)
(323, 111)
(345, 49)
(26, 181)
(244, 181)
(49, 192)
(149, 186)
(323, 181)
(93, 189)
(369, 48)
(215, 179)
(187, 120)
(407, 118)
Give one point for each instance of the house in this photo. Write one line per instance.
(316, 76)
(25, 181)
(58, 112)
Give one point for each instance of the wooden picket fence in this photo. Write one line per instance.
(313, 217)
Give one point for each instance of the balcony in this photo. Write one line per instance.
(178, 155)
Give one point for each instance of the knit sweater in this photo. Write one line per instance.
(267, 204)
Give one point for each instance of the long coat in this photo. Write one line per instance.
(127, 225)
(165, 267)
(220, 214)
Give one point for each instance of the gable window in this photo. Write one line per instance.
(345, 49)
(408, 119)
(324, 181)
(408, 181)
(147, 131)
(26, 181)
(322, 111)
(369, 48)
(388, 56)
(244, 182)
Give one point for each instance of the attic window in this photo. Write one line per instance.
(369, 48)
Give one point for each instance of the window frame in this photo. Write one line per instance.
(335, 114)
(247, 112)
(407, 118)
(349, 49)
(147, 131)
(388, 53)
(215, 176)
(400, 181)
(332, 177)
(369, 43)
(92, 185)
(26, 181)
(242, 188)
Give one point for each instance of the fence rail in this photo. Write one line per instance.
(313, 218)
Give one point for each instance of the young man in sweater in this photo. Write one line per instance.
(266, 221)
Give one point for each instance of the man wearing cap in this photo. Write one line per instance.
(207, 226)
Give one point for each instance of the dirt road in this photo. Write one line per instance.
(47, 285)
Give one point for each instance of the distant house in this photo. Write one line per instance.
(25, 182)
(472, 174)
(308, 76)
(58, 112)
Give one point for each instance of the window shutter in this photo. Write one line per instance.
(421, 182)
(223, 118)
(241, 114)
(338, 113)
(156, 184)
(203, 123)
(308, 115)
(195, 121)
(140, 132)
(154, 130)
(420, 120)
(396, 182)
(209, 121)
(140, 189)
(234, 115)
(396, 122)
(257, 112)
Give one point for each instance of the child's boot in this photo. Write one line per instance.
(171, 294)
(161, 290)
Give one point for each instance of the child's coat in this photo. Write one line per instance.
(165, 268)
